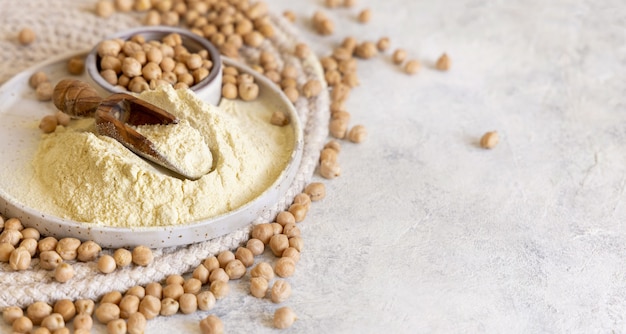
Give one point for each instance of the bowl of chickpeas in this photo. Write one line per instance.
(147, 57)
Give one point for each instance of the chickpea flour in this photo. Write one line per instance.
(89, 178)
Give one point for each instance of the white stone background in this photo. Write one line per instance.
(425, 232)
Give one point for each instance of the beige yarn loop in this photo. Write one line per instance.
(63, 30)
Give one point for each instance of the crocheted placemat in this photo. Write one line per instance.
(68, 26)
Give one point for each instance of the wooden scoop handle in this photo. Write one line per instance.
(76, 98)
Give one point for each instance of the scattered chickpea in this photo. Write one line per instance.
(169, 306)
(88, 251)
(142, 256)
(201, 273)
(84, 306)
(83, 321)
(383, 44)
(244, 255)
(263, 232)
(329, 169)
(63, 272)
(22, 325)
(116, 326)
(366, 50)
(443, 63)
(281, 290)
(68, 248)
(291, 230)
(292, 253)
(312, 88)
(290, 16)
(255, 246)
(192, 285)
(291, 93)
(304, 199)
(20, 259)
(26, 36)
(258, 287)
(10, 313)
(302, 50)
(285, 217)
(349, 3)
(30, 245)
(173, 290)
(398, 56)
(412, 67)
(206, 300)
(123, 257)
(489, 140)
(150, 307)
(37, 311)
(65, 308)
(315, 190)
(136, 323)
(128, 304)
(53, 322)
(219, 289)
(224, 257)
(188, 303)
(76, 65)
(211, 263)
(235, 269)
(248, 91)
(357, 134)
(105, 8)
(106, 264)
(279, 118)
(211, 325)
(5, 251)
(62, 119)
(278, 243)
(43, 92)
(48, 123)
(156, 289)
(278, 229)
(112, 297)
(263, 269)
(37, 78)
(365, 15)
(284, 317)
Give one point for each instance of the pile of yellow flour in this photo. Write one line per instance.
(91, 178)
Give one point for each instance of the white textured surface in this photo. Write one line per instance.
(425, 232)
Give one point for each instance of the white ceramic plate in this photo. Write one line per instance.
(20, 114)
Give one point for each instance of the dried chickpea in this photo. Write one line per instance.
(211, 263)
(105, 8)
(206, 300)
(10, 313)
(255, 246)
(298, 211)
(26, 36)
(63, 272)
(235, 269)
(281, 290)
(154, 289)
(329, 169)
(40, 330)
(131, 67)
(37, 78)
(291, 93)
(312, 88)
(192, 285)
(224, 257)
(65, 308)
(340, 92)
(188, 303)
(123, 257)
(284, 317)
(278, 243)
(47, 244)
(219, 289)
(263, 269)
(398, 56)
(116, 326)
(76, 65)
(211, 325)
(88, 251)
(383, 44)
(150, 306)
(332, 3)
(67, 248)
(63, 330)
(169, 307)
(366, 50)
(443, 63)
(489, 140)
(253, 39)
(173, 290)
(5, 251)
(49, 260)
(83, 321)
(279, 118)
(106, 264)
(22, 325)
(109, 48)
(112, 297)
(248, 91)
(357, 134)
(315, 190)
(244, 255)
(263, 232)
(258, 287)
(106, 312)
(175, 279)
(128, 304)
(292, 253)
(201, 273)
(136, 323)
(20, 259)
(328, 63)
(142, 256)
(291, 230)
(412, 67)
(338, 128)
(53, 322)
(48, 123)
(290, 16)
(229, 91)
(43, 92)
(296, 242)
(351, 80)
(278, 229)
(328, 154)
(84, 306)
(304, 199)
(285, 217)
(332, 77)
(365, 15)
(30, 245)
(62, 119)
(37, 311)
(30, 233)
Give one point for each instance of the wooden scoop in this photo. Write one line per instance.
(114, 116)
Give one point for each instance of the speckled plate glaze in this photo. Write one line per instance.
(19, 137)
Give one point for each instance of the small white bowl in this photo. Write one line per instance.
(209, 89)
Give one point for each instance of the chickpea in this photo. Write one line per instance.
(106, 264)
(285, 267)
(219, 289)
(151, 71)
(109, 48)
(173, 290)
(53, 322)
(211, 325)
(296, 242)
(169, 306)
(136, 290)
(10, 313)
(284, 317)
(365, 15)
(292, 94)
(155, 289)
(292, 253)
(235, 269)
(192, 285)
(443, 63)
(142, 256)
(76, 65)
(304, 199)
(278, 243)
(248, 91)
(26, 36)
(302, 50)
(206, 300)
(290, 16)
(37, 78)
(328, 154)
(224, 257)
(128, 305)
(281, 290)
(383, 44)
(37, 311)
(357, 134)
(150, 306)
(131, 67)
(65, 308)
(43, 92)
(84, 306)
(398, 56)
(106, 312)
(253, 39)
(298, 211)
(258, 287)
(278, 229)
(20, 259)
(116, 326)
(188, 303)
(338, 128)
(88, 251)
(112, 297)
(48, 123)
(340, 92)
(136, 323)
(83, 321)
(62, 119)
(211, 263)
(47, 244)
(22, 325)
(245, 255)
(13, 224)
(218, 274)
(63, 272)
(123, 257)
(30, 245)
(489, 140)
(68, 248)
(412, 67)
(263, 232)
(263, 269)
(255, 246)
(63, 330)
(5, 251)
(229, 91)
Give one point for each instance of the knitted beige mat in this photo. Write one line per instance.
(68, 26)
